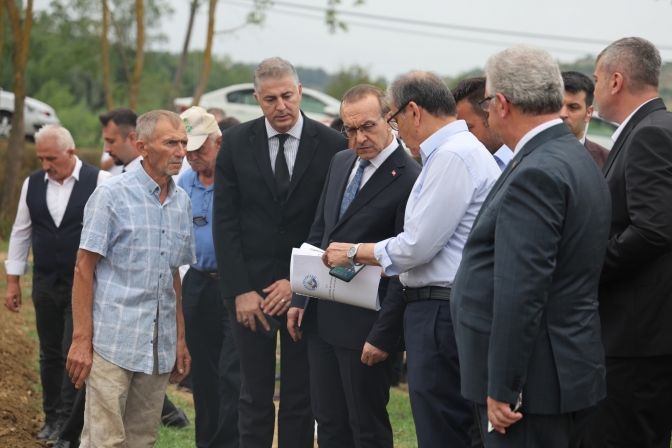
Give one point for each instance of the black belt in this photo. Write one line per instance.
(427, 293)
(213, 275)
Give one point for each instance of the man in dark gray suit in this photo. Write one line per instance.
(524, 300)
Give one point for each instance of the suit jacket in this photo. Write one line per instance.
(636, 283)
(253, 235)
(599, 153)
(375, 214)
(524, 301)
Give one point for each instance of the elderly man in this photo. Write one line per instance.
(524, 300)
(364, 198)
(577, 110)
(268, 179)
(636, 285)
(215, 372)
(468, 94)
(128, 325)
(457, 174)
(49, 218)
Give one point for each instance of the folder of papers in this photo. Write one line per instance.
(310, 277)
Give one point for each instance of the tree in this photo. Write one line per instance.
(134, 82)
(107, 86)
(350, 77)
(179, 72)
(207, 56)
(21, 45)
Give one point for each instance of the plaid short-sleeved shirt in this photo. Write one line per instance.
(142, 243)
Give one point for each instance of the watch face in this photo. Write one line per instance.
(351, 251)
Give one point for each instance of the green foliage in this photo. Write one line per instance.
(350, 77)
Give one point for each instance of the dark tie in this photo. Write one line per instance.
(281, 171)
(353, 187)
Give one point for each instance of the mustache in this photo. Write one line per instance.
(175, 160)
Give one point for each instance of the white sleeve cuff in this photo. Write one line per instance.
(16, 267)
(380, 252)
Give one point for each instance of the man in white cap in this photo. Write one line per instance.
(215, 370)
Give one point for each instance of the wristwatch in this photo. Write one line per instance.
(352, 252)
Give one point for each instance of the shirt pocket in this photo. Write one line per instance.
(179, 248)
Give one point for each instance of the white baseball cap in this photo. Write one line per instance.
(199, 125)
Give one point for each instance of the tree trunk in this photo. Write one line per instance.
(16, 143)
(107, 87)
(2, 28)
(134, 84)
(179, 72)
(207, 56)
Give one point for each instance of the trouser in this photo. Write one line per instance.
(256, 411)
(215, 370)
(349, 398)
(442, 416)
(53, 319)
(637, 411)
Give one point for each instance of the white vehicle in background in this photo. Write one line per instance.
(35, 115)
(238, 101)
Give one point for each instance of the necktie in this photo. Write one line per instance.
(353, 188)
(281, 171)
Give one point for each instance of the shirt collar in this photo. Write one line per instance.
(75, 171)
(531, 134)
(294, 132)
(618, 131)
(133, 164)
(583, 139)
(436, 139)
(504, 154)
(149, 184)
(384, 154)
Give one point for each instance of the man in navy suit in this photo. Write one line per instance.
(351, 349)
(524, 301)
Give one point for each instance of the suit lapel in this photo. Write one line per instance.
(259, 143)
(380, 179)
(307, 148)
(645, 110)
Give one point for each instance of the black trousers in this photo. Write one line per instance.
(537, 431)
(256, 411)
(442, 416)
(638, 409)
(215, 371)
(53, 318)
(349, 398)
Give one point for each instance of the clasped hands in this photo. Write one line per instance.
(251, 305)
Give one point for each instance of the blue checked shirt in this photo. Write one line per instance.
(142, 243)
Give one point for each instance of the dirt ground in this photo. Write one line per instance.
(20, 417)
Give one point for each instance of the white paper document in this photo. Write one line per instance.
(310, 277)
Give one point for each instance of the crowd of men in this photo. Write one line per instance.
(525, 270)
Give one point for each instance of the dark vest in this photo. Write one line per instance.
(55, 248)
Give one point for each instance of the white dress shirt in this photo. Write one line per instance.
(503, 156)
(291, 145)
(58, 196)
(530, 135)
(618, 131)
(130, 166)
(457, 175)
(375, 163)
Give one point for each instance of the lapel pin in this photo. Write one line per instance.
(394, 173)
(515, 162)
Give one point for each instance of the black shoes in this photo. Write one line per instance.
(60, 443)
(176, 419)
(46, 431)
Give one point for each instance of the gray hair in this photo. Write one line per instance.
(637, 59)
(426, 90)
(528, 77)
(361, 91)
(213, 136)
(62, 136)
(147, 123)
(274, 68)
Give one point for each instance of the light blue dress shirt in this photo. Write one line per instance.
(457, 174)
(503, 156)
(142, 243)
(201, 203)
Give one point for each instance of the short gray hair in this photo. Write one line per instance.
(637, 59)
(147, 123)
(528, 77)
(274, 68)
(213, 136)
(426, 90)
(62, 136)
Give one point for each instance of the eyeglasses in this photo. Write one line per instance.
(394, 124)
(200, 220)
(366, 128)
(485, 103)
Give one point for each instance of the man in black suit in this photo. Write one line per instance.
(636, 281)
(351, 350)
(524, 300)
(268, 179)
(577, 110)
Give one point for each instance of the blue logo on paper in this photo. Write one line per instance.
(310, 282)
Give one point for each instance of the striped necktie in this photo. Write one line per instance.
(353, 188)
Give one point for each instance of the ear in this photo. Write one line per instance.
(142, 148)
(589, 113)
(256, 97)
(414, 110)
(132, 137)
(616, 83)
(218, 142)
(70, 152)
(502, 106)
(300, 88)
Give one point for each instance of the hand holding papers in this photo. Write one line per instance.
(310, 277)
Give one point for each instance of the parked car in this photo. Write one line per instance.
(238, 101)
(35, 115)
